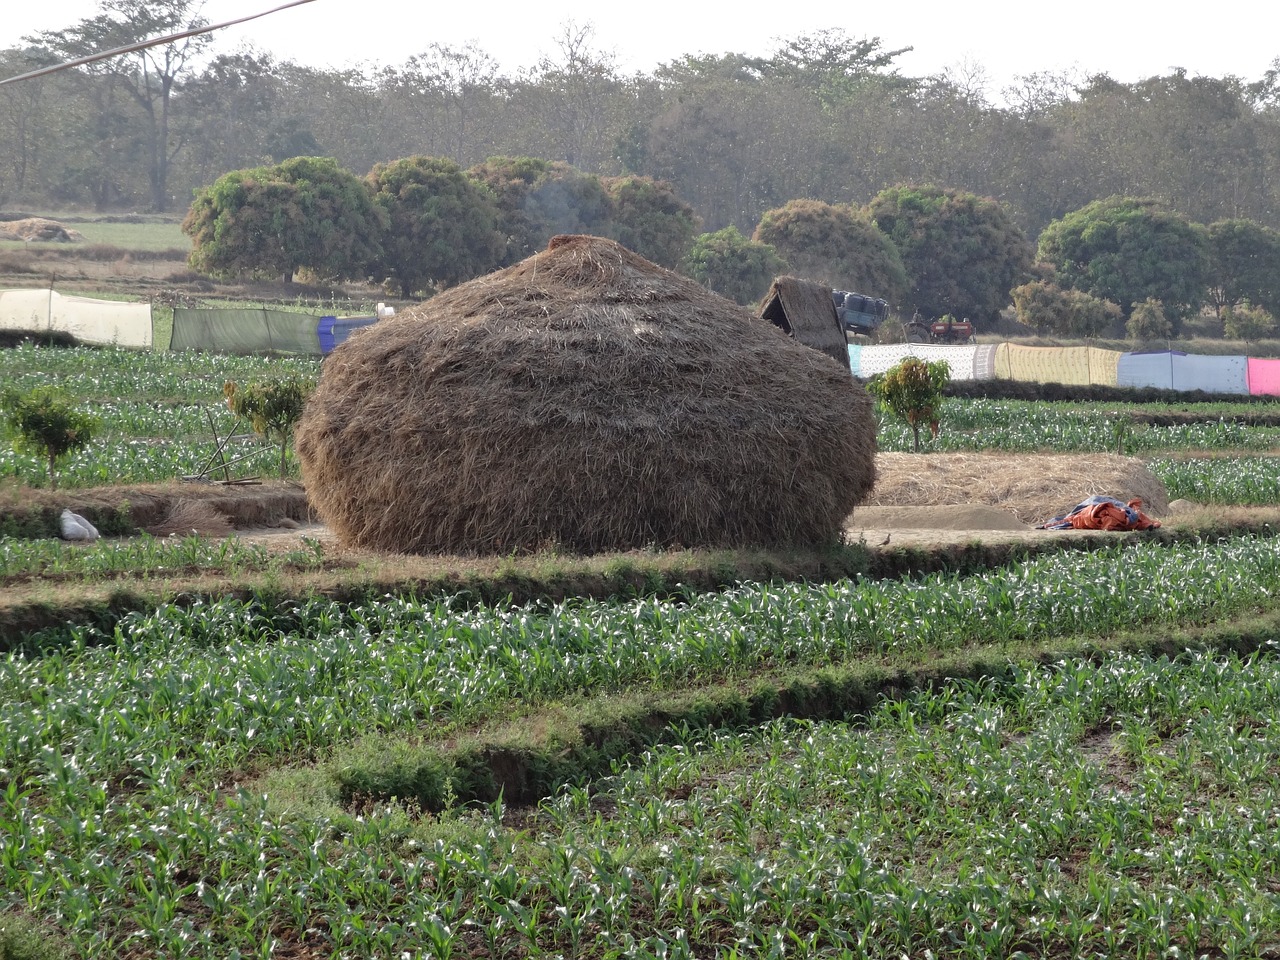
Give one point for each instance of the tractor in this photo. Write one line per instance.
(946, 329)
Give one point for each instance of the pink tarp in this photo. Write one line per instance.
(1264, 377)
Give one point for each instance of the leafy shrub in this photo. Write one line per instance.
(272, 406)
(1244, 321)
(46, 425)
(913, 392)
(1147, 321)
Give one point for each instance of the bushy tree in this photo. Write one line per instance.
(1244, 321)
(1128, 251)
(1068, 313)
(1147, 321)
(538, 199)
(646, 216)
(912, 391)
(304, 212)
(46, 425)
(442, 225)
(836, 246)
(272, 406)
(1244, 264)
(962, 253)
(733, 266)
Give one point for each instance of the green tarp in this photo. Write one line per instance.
(245, 331)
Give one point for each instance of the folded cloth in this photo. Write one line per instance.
(1102, 513)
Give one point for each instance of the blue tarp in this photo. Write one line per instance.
(1173, 370)
(333, 330)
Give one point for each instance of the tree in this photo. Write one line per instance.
(733, 266)
(538, 199)
(962, 253)
(834, 245)
(912, 392)
(1128, 251)
(150, 78)
(1147, 321)
(646, 216)
(305, 212)
(47, 426)
(272, 406)
(442, 225)
(1068, 313)
(1244, 321)
(1244, 264)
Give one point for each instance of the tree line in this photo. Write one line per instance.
(825, 116)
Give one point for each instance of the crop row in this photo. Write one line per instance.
(1224, 480)
(143, 555)
(1125, 808)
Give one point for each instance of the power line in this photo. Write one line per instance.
(144, 44)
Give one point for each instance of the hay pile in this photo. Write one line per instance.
(38, 229)
(1034, 487)
(584, 398)
(192, 518)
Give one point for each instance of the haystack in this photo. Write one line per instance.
(583, 398)
(805, 310)
(38, 229)
(1033, 487)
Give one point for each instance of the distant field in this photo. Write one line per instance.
(149, 235)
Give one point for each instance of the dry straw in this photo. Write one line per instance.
(584, 398)
(1034, 487)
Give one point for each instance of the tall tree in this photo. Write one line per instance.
(1129, 250)
(150, 77)
(834, 244)
(1244, 264)
(962, 253)
(442, 226)
(538, 199)
(646, 216)
(733, 266)
(305, 212)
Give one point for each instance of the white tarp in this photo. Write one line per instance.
(878, 359)
(103, 322)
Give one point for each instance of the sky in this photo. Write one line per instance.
(1004, 39)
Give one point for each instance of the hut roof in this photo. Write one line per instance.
(804, 309)
(585, 398)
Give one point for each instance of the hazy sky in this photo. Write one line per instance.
(1128, 40)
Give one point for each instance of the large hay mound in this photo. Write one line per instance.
(1034, 487)
(585, 398)
(38, 229)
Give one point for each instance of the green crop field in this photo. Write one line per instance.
(1063, 754)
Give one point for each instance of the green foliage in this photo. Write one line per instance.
(1147, 321)
(912, 391)
(538, 199)
(835, 245)
(733, 266)
(22, 939)
(1244, 321)
(962, 253)
(306, 212)
(1069, 313)
(1128, 251)
(272, 406)
(442, 226)
(45, 424)
(1244, 264)
(646, 216)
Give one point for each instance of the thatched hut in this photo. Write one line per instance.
(805, 310)
(584, 398)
